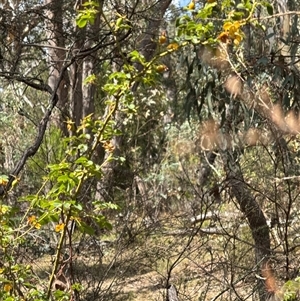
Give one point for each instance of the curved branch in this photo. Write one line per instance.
(28, 81)
(31, 151)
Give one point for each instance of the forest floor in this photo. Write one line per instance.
(147, 259)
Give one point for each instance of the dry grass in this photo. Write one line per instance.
(139, 270)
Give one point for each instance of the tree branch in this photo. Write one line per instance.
(31, 151)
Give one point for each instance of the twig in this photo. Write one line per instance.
(235, 282)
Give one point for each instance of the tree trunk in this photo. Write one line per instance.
(172, 293)
(251, 209)
(57, 56)
(239, 190)
(88, 67)
(283, 45)
(117, 174)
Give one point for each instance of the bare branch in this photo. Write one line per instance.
(31, 151)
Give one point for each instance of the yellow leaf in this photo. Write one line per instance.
(162, 38)
(37, 225)
(161, 68)
(70, 124)
(7, 287)
(59, 227)
(227, 26)
(31, 219)
(3, 209)
(223, 37)
(33, 222)
(237, 39)
(233, 29)
(173, 46)
(236, 25)
(91, 79)
(15, 182)
(3, 182)
(108, 146)
(191, 6)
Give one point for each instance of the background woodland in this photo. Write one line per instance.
(149, 150)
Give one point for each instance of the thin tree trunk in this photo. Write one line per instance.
(248, 205)
(282, 6)
(89, 65)
(57, 56)
(172, 293)
(252, 211)
(116, 174)
(76, 92)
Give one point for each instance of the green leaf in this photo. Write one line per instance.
(240, 6)
(28, 285)
(91, 4)
(237, 15)
(63, 178)
(135, 56)
(3, 177)
(119, 22)
(77, 206)
(84, 228)
(207, 10)
(90, 79)
(81, 22)
(102, 222)
(81, 160)
(60, 166)
(269, 9)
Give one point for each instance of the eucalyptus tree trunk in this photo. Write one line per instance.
(76, 99)
(117, 174)
(252, 211)
(56, 58)
(148, 44)
(282, 6)
(239, 190)
(76, 78)
(83, 98)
